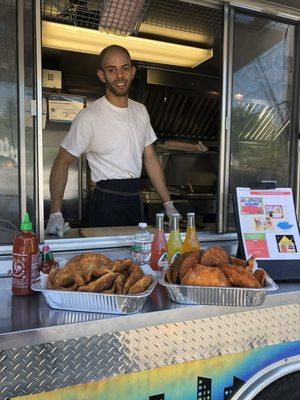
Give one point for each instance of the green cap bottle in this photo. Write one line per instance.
(26, 225)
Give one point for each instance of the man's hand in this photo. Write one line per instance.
(56, 225)
(170, 209)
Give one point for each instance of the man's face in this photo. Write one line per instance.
(117, 73)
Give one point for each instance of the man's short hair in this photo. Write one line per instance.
(111, 49)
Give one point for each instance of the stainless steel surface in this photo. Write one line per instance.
(228, 201)
(95, 302)
(218, 296)
(223, 130)
(21, 109)
(39, 191)
(37, 342)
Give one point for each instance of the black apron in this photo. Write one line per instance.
(116, 202)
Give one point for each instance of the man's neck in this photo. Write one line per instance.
(118, 101)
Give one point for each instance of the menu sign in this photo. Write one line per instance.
(268, 223)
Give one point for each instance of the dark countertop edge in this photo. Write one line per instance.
(134, 321)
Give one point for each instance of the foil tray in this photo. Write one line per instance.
(95, 302)
(218, 296)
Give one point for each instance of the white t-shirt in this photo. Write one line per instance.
(113, 139)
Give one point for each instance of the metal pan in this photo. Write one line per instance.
(95, 302)
(218, 296)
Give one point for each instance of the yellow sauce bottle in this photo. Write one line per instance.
(174, 242)
(191, 241)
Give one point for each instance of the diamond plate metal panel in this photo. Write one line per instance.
(49, 366)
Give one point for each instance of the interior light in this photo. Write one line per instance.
(172, 33)
(83, 40)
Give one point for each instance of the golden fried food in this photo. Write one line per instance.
(250, 264)
(122, 266)
(239, 276)
(238, 261)
(215, 257)
(120, 283)
(202, 275)
(105, 282)
(190, 258)
(51, 278)
(141, 285)
(136, 273)
(94, 274)
(88, 260)
(261, 276)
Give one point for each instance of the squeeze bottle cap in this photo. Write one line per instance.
(143, 225)
(26, 225)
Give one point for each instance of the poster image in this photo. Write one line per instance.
(256, 245)
(264, 223)
(268, 223)
(274, 211)
(251, 205)
(286, 244)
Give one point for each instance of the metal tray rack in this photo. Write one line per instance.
(95, 302)
(218, 296)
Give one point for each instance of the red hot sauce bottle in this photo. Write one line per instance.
(25, 269)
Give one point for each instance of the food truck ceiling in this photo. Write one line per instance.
(83, 40)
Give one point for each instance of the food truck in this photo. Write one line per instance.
(221, 86)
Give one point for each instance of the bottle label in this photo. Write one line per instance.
(141, 247)
(163, 261)
(174, 256)
(22, 277)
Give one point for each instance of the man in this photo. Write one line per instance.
(116, 135)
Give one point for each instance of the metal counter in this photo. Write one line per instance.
(68, 348)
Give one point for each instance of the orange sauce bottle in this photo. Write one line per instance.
(191, 241)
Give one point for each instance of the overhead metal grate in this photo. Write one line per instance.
(116, 16)
(125, 16)
(184, 16)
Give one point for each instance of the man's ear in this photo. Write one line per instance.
(101, 75)
(133, 71)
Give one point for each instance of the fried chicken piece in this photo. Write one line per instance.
(202, 275)
(136, 273)
(87, 261)
(250, 264)
(95, 274)
(51, 278)
(238, 261)
(261, 276)
(141, 285)
(120, 283)
(190, 258)
(111, 290)
(239, 276)
(122, 266)
(215, 257)
(105, 282)
(66, 278)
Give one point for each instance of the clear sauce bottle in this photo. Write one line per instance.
(191, 241)
(25, 268)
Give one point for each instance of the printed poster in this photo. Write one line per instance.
(64, 108)
(268, 223)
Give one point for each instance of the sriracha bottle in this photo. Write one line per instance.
(158, 259)
(25, 268)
